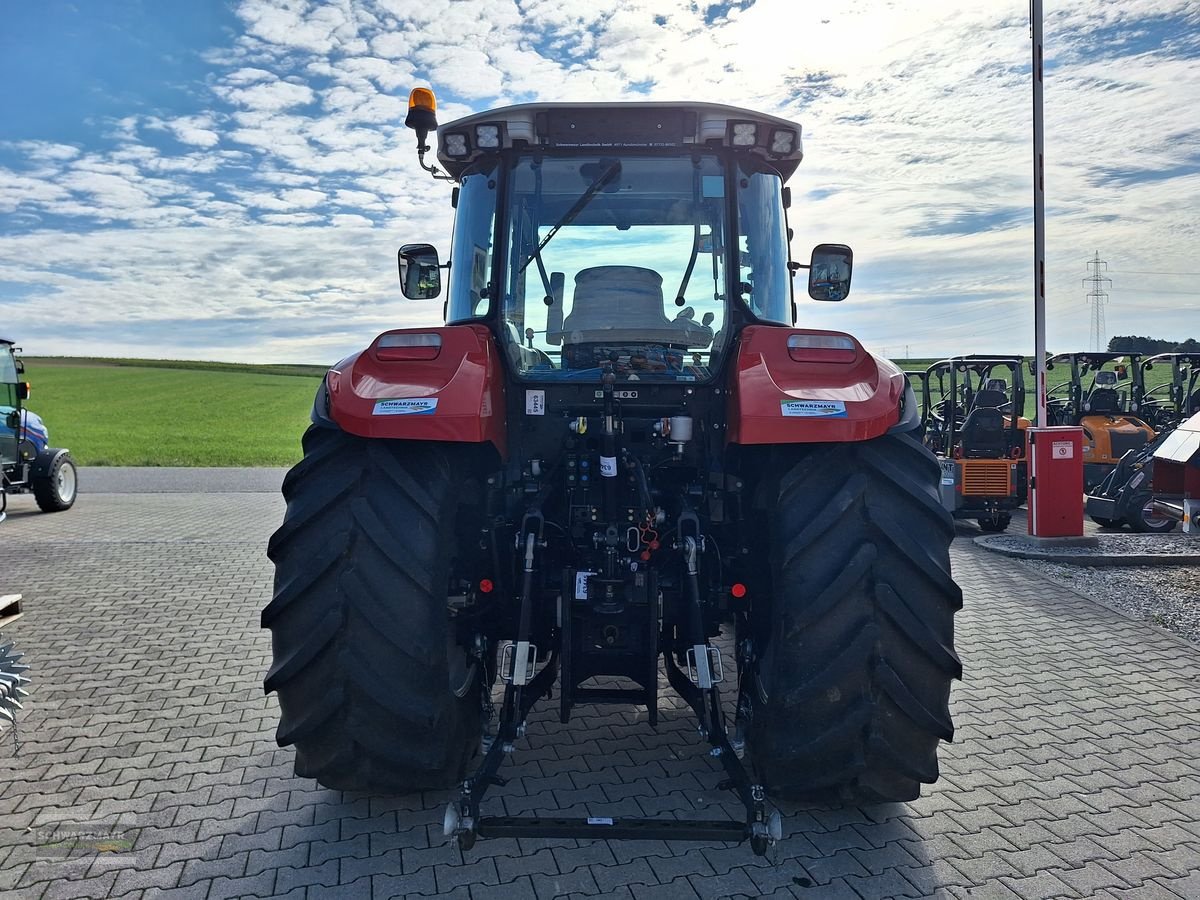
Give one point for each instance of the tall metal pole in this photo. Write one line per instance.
(1039, 216)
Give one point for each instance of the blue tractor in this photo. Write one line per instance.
(28, 464)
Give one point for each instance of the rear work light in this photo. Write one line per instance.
(822, 348)
(783, 141)
(455, 144)
(487, 137)
(743, 134)
(402, 347)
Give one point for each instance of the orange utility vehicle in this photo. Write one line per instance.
(1107, 408)
(972, 416)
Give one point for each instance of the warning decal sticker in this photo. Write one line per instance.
(1062, 450)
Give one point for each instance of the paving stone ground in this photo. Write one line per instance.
(1075, 772)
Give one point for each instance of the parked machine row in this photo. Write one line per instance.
(972, 418)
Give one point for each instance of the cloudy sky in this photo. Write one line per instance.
(229, 179)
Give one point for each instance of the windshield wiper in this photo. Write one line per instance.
(691, 265)
(604, 180)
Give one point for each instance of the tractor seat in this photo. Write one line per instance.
(989, 399)
(619, 304)
(1104, 400)
(983, 434)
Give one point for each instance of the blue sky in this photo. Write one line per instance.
(229, 179)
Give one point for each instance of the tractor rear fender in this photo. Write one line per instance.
(795, 386)
(422, 384)
(44, 461)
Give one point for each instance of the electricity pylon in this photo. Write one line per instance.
(1097, 297)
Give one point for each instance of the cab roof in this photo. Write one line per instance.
(1092, 357)
(1183, 356)
(976, 363)
(627, 126)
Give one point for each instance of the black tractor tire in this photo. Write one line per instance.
(851, 695)
(373, 693)
(995, 524)
(1105, 522)
(1143, 520)
(56, 490)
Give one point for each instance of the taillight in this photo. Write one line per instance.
(401, 347)
(822, 348)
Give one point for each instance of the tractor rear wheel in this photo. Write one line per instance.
(852, 689)
(56, 490)
(373, 691)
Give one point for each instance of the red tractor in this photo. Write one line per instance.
(616, 450)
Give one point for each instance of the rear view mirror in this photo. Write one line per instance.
(829, 272)
(22, 390)
(420, 271)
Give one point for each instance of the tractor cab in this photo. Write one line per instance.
(636, 239)
(972, 415)
(12, 392)
(1175, 399)
(1103, 393)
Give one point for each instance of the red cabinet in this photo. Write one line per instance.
(1055, 481)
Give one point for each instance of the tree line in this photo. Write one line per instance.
(1150, 346)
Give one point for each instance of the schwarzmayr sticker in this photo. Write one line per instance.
(814, 409)
(417, 406)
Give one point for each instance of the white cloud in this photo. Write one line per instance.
(248, 76)
(296, 179)
(303, 197)
(271, 96)
(350, 221)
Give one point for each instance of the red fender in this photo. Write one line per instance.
(824, 388)
(423, 384)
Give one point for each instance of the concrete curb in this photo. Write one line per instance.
(990, 542)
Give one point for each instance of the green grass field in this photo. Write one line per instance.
(129, 412)
(165, 413)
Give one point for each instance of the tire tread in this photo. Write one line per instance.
(358, 616)
(855, 696)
